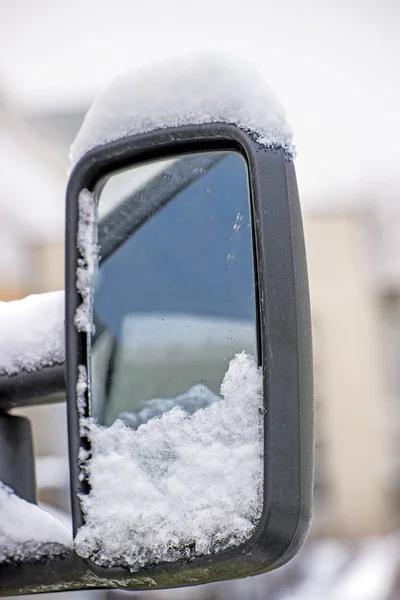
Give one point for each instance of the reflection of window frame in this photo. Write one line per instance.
(121, 223)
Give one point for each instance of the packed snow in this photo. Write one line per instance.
(81, 387)
(87, 263)
(32, 333)
(181, 484)
(28, 533)
(197, 89)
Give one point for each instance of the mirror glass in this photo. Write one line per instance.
(176, 469)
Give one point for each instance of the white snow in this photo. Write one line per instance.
(196, 89)
(32, 333)
(87, 263)
(180, 485)
(28, 533)
(81, 387)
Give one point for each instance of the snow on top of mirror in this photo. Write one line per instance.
(32, 333)
(180, 485)
(192, 90)
(28, 533)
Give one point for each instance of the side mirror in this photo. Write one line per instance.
(189, 378)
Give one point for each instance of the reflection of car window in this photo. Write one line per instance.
(187, 349)
(197, 250)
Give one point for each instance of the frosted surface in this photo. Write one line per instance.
(32, 333)
(198, 89)
(180, 485)
(28, 533)
(87, 263)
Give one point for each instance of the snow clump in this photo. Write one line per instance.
(192, 90)
(87, 263)
(181, 485)
(32, 333)
(28, 533)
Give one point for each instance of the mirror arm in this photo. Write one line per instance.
(17, 465)
(45, 386)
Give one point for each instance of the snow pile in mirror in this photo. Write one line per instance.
(180, 485)
(32, 333)
(28, 533)
(196, 89)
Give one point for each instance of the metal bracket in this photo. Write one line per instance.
(17, 465)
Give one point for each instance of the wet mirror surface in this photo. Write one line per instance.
(176, 392)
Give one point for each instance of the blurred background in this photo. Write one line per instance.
(335, 67)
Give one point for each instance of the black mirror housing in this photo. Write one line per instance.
(284, 338)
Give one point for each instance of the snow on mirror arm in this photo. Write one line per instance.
(32, 333)
(28, 533)
(175, 468)
(32, 350)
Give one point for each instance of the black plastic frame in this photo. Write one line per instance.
(285, 333)
(44, 386)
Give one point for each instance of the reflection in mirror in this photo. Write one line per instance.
(176, 469)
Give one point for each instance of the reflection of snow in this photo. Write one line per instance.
(180, 485)
(198, 396)
(28, 533)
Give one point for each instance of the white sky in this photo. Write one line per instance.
(334, 65)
